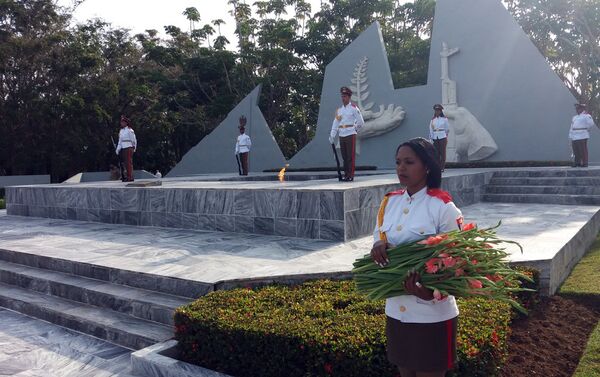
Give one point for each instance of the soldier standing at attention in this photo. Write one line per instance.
(347, 123)
(579, 134)
(242, 146)
(438, 133)
(125, 148)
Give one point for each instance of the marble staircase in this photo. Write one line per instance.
(123, 314)
(568, 187)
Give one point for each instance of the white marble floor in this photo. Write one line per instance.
(34, 348)
(213, 257)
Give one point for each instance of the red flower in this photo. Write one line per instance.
(434, 240)
(448, 261)
(459, 272)
(495, 338)
(474, 261)
(328, 368)
(469, 226)
(494, 278)
(431, 266)
(474, 283)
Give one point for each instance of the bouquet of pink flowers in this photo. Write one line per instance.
(462, 263)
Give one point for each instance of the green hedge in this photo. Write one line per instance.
(320, 328)
(2, 204)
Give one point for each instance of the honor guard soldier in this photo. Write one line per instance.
(125, 149)
(579, 134)
(438, 133)
(347, 123)
(242, 146)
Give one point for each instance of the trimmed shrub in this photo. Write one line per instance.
(320, 328)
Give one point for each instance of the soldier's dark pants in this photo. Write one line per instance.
(347, 147)
(580, 150)
(440, 147)
(127, 164)
(244, 162)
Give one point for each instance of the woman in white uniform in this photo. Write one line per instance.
(420, 329)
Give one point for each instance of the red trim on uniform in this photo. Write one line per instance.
(449, 332)
(353, 105)
(353, 155)
(398, 192)
(440, 194)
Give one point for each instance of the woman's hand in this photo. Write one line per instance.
(379, 253)
(413, 286)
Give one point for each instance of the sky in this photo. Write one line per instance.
(140, 15)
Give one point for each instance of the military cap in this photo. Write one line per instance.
(345, 90)
(437, 106)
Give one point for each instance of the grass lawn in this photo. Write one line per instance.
(584, 281)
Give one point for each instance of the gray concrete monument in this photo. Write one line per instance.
(215, 153)
(503, 100)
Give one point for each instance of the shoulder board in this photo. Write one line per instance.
(398, 192)
(440, 194)
(353, 105)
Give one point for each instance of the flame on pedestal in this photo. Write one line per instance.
(281, 174)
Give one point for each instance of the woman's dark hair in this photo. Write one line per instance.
(428, 155)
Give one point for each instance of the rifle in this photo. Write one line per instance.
(119, 162)
(337, 162)
(237, 158)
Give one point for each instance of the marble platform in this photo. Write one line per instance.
(313, 206)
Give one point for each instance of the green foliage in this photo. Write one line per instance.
(320, 328)
(2, 203)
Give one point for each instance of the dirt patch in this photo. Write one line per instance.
(551, 340)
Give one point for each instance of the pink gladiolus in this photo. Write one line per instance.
(476, 284)
(469, 226)
(434, 240)
(474, 261)
(431, 266)
(449, 262)
(437, 294)
(459, 272)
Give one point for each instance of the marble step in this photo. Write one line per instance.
(118, 328)
(544, 190)
(158, 283)
(543, 199)
(140, 303)
(544, 181)
(549, 173)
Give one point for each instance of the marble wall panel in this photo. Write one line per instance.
(98, 198)
(352, 224)
(243, 224)
(116, 199)
(351, 199)
(206, 222)
(286, 204)
(145, 219)
(224, 202)
(158, 219)
(332, 205)
(116, 217)
(369, 197)
(189, 201)
(244, 203)
(331, 230)
(306, 228)
(174, 200)
(9, 195)
(368, 220)
(189, 220)
(174, 220)
(77, 198)
(130, 200)
(71, 213)
(49, 197)
(225, 223)
(309, 205)
(285, 227)
(152, 200)
(62, 195)
(81, 214)
(60, 213)
(264, 225)
(93, 214)
(17, 210)
(264, 203)
(131, 217)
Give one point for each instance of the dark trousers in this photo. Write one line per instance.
(580, 150)
(127, 164)
(347, 147)
(440, 147)
(244, 162)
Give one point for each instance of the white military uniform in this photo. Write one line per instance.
(243, 144)
(348, 121)
(412, 218)
(439, 128)
(580, 126)
(126, 139)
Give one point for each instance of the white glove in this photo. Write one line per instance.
(331, 139)
(117, 151)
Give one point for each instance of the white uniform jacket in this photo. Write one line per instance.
(439, 128)
(126, 139)
(243, 144)
(348, 121)
(580, 126)
(412, 218)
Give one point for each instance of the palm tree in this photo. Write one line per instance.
(192, 15)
